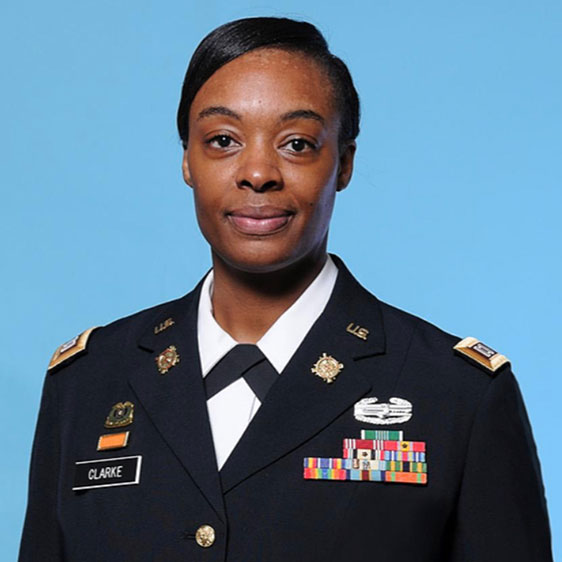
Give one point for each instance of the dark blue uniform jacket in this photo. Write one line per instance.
(483, 502)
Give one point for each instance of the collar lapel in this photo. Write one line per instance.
(176, 401)
(301, 404)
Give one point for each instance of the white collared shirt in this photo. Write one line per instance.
(232, 409)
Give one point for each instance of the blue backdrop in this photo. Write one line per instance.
(453, 212)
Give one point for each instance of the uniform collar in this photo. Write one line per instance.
(298, 405)
(361, 309)
(282, 339)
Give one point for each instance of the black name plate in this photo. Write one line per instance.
(103, 473)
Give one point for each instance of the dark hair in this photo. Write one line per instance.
(238, 37)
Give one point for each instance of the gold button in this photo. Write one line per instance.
(205, 536)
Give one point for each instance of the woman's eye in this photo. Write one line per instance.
(221, 141)
(300, 145)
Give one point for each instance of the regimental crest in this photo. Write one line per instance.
(120, 415)
(327, 368)
(167, 359)
(368, 410)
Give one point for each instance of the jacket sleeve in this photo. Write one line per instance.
(41, 539)
(502, 508)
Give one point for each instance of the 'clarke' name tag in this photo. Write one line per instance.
(103, 473)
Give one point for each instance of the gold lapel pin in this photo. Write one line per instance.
(327, 368)
(164, 325)
(357, 330)
(167, 359)
(120, 415)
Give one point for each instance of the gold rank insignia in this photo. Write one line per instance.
(481, 354)
(167, 359)
(69, 349)
(120, 415)
(327, 368)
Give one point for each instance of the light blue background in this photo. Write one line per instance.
(453, 212)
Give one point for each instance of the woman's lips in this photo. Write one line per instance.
(259, 220)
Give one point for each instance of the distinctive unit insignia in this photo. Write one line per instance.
(167, 359)
(70, 348)
(398, 410)
(113, 441)
(379, 456)
(481, 354)
(164, 325)
(357, 330)
(120, 415)
(327, 368)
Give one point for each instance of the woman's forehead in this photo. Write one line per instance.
(271, 80)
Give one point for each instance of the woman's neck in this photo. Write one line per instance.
(247, 304)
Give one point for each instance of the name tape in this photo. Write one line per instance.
(104, 473)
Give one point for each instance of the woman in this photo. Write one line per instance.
(211, 427)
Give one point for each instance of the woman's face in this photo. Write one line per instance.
(263, 160)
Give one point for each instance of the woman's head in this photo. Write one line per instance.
(239, 37)
(268, 142)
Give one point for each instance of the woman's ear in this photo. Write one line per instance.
(185, 169)
(345, 171)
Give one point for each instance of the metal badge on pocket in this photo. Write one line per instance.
(368, 410)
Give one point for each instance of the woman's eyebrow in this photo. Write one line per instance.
(296, 114)
(218, 110)
(303, 114)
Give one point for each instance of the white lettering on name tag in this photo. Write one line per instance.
(105, 473)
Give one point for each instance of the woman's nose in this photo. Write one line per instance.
(258, 170)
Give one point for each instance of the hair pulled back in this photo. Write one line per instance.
(238, 37)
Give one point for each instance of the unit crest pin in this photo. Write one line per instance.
(167, 359)
(327, 368)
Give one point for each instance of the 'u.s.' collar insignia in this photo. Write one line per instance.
(398, 410)
(167, 359)
(356, 330)
(327, 368)
(481, 354)
(120, 415)
(164, 325)
(69, 349)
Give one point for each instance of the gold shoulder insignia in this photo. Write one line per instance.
(481, 354)
(70, 349)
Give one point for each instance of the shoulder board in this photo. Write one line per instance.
(481, 354)
(69, 349)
